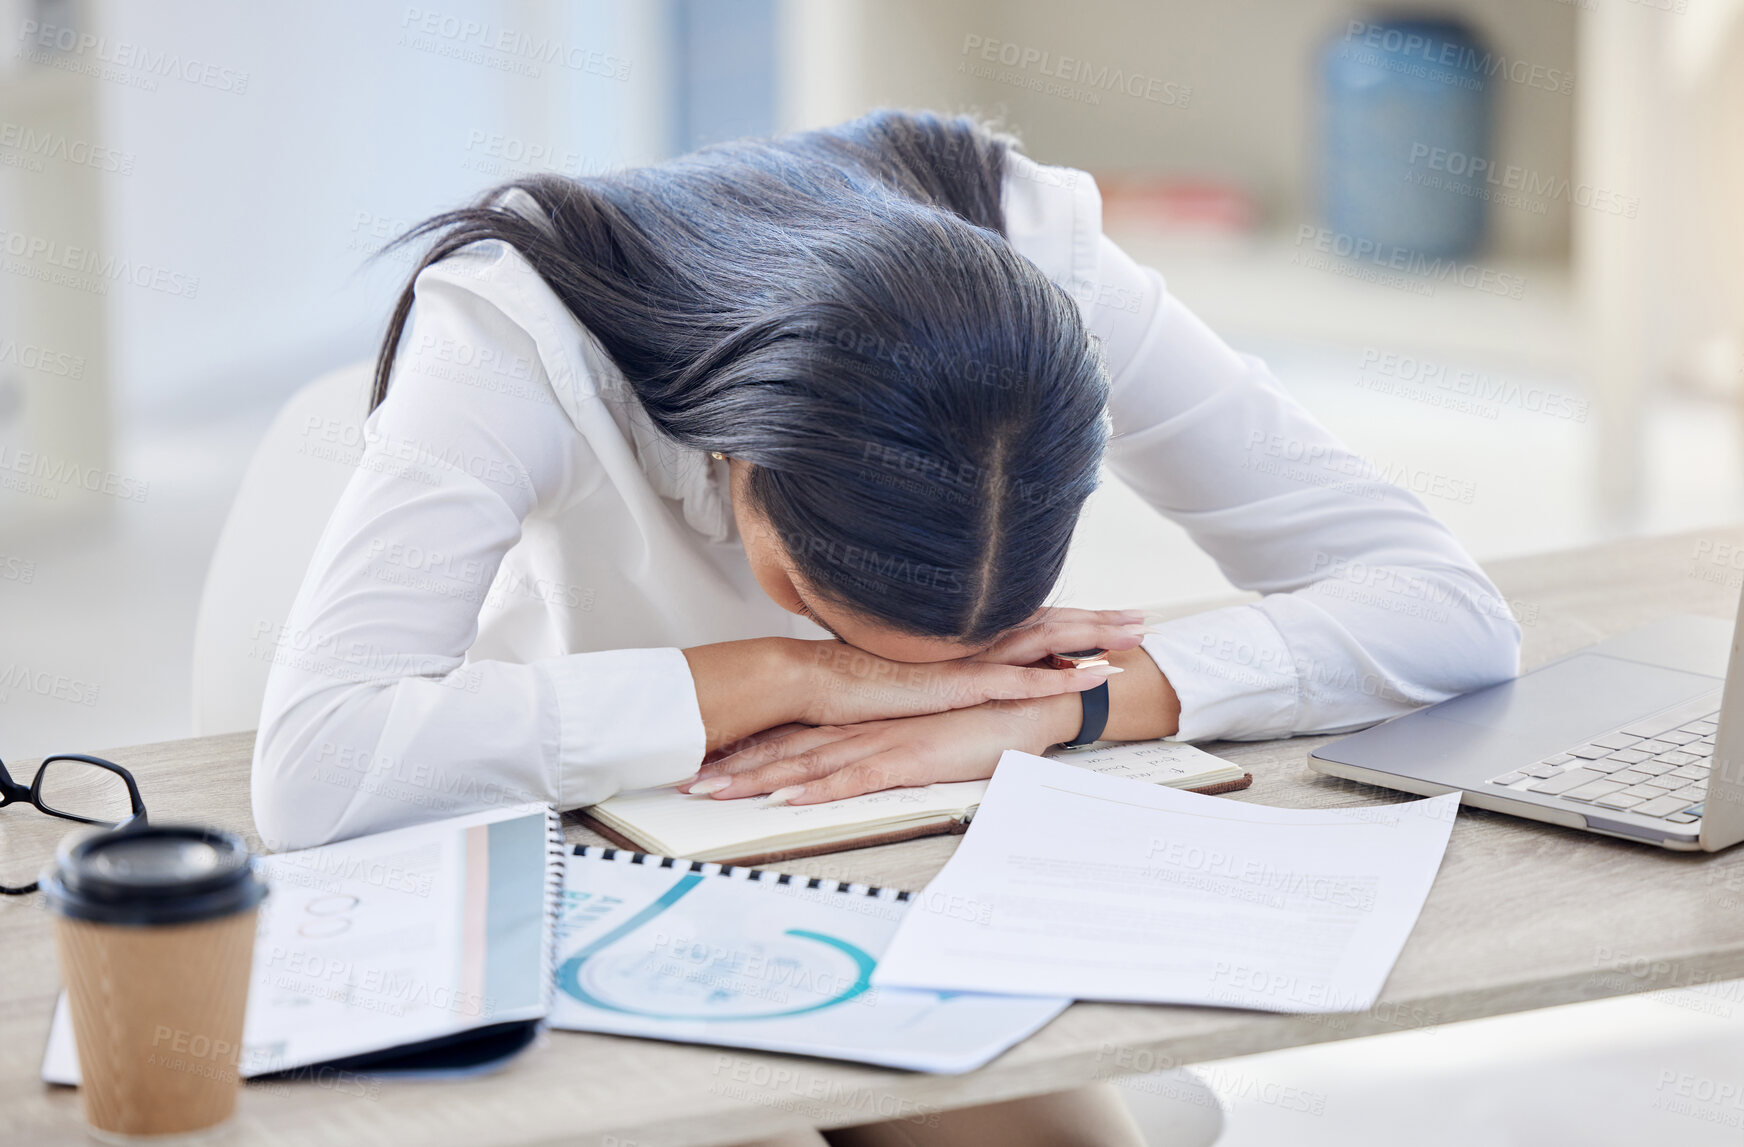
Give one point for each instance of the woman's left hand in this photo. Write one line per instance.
(1055, 629)
(830, 762)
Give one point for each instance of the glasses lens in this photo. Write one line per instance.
(74, 788)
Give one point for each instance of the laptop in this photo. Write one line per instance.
(1633, 737)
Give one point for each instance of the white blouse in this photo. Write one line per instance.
(496, 609)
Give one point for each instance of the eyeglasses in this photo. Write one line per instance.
(89, 790)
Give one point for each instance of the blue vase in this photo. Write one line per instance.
(1406, 112)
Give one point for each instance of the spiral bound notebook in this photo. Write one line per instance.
(753, 831)
(426, 949)
(700, 952)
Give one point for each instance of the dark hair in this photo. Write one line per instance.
(923, 409)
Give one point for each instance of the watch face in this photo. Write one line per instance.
(1077, 658)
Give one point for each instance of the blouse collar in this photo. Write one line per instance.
(685, 475)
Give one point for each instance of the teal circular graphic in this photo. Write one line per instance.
(792, 973)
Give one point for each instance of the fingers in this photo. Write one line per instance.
(991, 682)
(893, 768)
(851, 686)
(744, 743)
(804, 766)
(1068, 613)
(1063, 631)
(765, 750)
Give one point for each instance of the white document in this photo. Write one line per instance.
(1072, 883)
(688, 952)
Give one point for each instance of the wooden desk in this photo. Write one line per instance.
(1523, 915)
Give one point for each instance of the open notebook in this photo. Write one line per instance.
(426, 949)
(752, 831)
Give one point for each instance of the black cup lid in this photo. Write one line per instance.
(154, 874)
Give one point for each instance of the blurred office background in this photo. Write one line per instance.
(1495, 244)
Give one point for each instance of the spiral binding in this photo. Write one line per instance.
(556, 852)
(737, 872)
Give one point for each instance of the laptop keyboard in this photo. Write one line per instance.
(1642, 768)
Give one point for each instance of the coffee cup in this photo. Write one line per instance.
(155, 933)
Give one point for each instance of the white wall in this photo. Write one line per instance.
(352, 119)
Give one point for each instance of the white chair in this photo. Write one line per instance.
(293, 482)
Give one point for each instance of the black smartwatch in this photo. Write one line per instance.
(1095, 700)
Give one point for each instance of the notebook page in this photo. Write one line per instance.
(699, 825)
(703, 826)
(1159, 762)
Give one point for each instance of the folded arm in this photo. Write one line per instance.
(1370, 606)
(372, 718)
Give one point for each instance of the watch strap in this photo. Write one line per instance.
(1095, 717)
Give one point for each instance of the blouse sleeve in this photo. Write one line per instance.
(1369, 606)
(372, 717)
